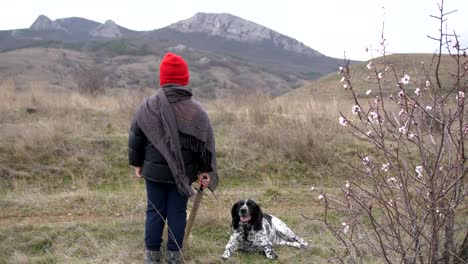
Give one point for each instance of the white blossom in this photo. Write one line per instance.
(380, 75)
(369, 65)
(461, 94)
(385, 166)
(392, 180)
(402, 111)
(342, 121)
(428, 83)
(402, 130)
(419, 169)
(373, 116)
(343, 79)
(417, 91)
(401, 94)
(340, 68)
(366, 160)
(345, 227)
(405, 80)
(410, 136)
(428, 108)
(320, 197)
(356, 109)
(347, 184)
(390, 203)
(369, 133)
(345, 86)
(312, 188)
(368, 92)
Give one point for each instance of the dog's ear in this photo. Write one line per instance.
(257, 216)
(235, 215)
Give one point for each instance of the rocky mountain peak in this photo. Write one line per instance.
(107, 30)
(43, 23)
(110, 22)
(235, 28)
(224, 25)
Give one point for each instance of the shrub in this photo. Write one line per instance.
(90, 81)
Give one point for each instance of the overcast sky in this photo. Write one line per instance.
(330, 26)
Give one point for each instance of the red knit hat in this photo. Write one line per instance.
(173, 70)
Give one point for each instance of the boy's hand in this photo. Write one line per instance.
(138, 172)
(203, 179)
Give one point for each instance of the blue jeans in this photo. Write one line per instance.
(165, 203)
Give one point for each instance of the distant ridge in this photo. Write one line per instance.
(213, 33)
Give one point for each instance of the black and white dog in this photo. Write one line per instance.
(254, 231)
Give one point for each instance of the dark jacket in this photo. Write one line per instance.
(141, 153)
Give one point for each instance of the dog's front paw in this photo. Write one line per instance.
(304, 245)
(272, 255)
(296, 245)
(225, 257)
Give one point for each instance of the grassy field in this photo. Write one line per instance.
(67, 194)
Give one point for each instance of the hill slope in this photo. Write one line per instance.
(329, 87)
(210, 75)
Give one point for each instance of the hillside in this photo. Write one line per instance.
(329, 87)
(211, 75)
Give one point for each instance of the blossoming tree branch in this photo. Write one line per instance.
(405, 202)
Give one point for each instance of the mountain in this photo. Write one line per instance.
(107, 30)
(232, 27)
(44, 31)
(237, 37)
(225, 52)
(219, 33)
(44, 23)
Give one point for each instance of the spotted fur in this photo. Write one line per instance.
(254, 231)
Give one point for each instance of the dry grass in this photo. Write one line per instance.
(67, 194)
